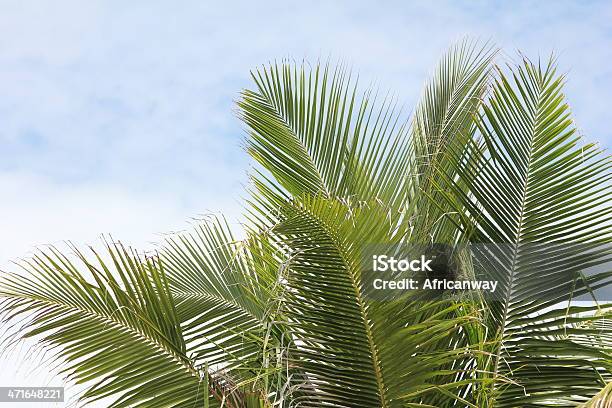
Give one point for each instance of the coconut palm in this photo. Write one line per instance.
(489, 164)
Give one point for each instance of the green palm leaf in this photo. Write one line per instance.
(543, 201)
(443, 124)
(602, 399)
(119, 330)
(294, 117)
(358, 352)
(208, 271)
(227, 293)
(312, 133)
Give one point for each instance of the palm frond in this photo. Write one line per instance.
(541, 201)
(312, 131)
(602, 399)
(227, 292)
(357, 351)
(208, 274)
(117, 330)
(490, 164)
(443, 124)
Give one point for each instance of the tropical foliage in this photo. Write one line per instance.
(281, 318)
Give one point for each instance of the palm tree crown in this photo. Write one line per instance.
(490, 164)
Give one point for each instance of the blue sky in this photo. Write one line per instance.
(118, 117)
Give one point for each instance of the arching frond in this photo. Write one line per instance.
(113, 326)
(540, 199)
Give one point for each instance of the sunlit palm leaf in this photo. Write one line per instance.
(602, 399)
(284, 317)
(442, 125)
(312, 131)
(208, 274)
(543, 200)
(117, 330)
(359, 352)
(227, 291)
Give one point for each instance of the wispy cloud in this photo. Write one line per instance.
(139, 96)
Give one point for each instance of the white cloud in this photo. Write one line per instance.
(38, 212)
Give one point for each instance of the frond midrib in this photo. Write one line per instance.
(120, 326)
(376, 363)
(279, 115)
(519, 232)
